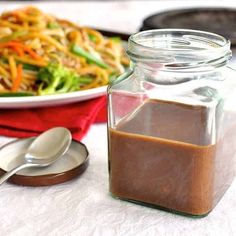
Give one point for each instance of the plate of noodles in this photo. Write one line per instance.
(47, 61)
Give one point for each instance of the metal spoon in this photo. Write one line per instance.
(44, 150)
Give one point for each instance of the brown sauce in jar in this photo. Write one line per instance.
(164, 155)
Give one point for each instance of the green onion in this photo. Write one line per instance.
(116, 39)
(53, 25)
(16, 94)
(30, 67)
(92, 38)
(77, 50)
(85, 80)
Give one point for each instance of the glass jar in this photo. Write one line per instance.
(172, 122)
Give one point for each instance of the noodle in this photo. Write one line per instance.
(12, 64)
(4, 72)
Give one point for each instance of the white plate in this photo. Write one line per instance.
(51, 100)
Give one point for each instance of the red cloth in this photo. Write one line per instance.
(77, 117)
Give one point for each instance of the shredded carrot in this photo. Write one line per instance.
(17, 80)
(14, 46)
(33, 54)
(19, 51)
(19, 48)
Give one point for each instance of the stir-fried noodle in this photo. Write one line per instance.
(41, 54)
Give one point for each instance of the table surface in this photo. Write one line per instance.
(84, 206)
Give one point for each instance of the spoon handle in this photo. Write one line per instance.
(7, 175)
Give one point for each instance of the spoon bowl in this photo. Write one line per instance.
(44, 150)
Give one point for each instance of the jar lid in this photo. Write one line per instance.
(71, 165)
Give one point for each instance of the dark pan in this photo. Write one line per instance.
(217, 20)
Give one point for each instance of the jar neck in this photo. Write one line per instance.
(178, 50)
(160, 76)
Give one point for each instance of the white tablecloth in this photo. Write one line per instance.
(83, 206)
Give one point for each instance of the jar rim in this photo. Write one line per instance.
(179, 47)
